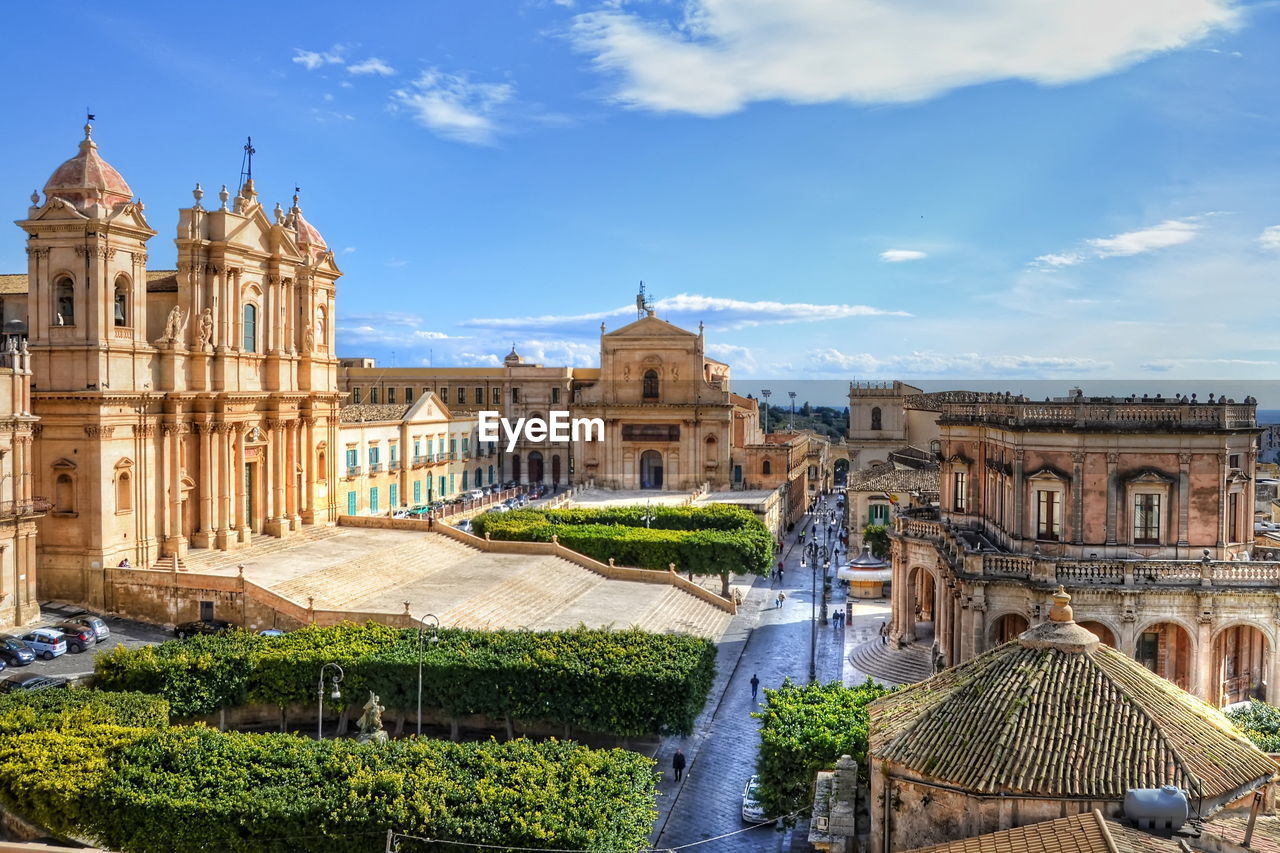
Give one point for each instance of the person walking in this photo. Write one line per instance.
(755, 686)
(677, 764)
(884, 634)
(782, 596)
(780, 572)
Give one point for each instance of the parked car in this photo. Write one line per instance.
(752, 811)
(15, 652)
(271, 632)
(476, 494)
(464, 526)
(403, 512)
(91, 620)
(30, 683)
(48, 643)
(200, 626)
(78, 637)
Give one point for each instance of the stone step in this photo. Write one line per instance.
(892, 666)
(546, 586)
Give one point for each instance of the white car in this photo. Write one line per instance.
(45, 642)
(752, 811)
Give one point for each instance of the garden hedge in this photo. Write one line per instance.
(1260, 723)
(804, 729)
(713, 540)
(619, 682)
(148, 788)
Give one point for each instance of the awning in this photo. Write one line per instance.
(845, 573)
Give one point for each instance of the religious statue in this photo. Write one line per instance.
(206, 328)
(309, 340)
(370, 722)
(173, 325)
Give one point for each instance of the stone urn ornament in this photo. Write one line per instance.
(370, 722)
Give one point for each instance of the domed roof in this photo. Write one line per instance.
(307, 234)
(1056, 714)
(87, 176)
(513, 358)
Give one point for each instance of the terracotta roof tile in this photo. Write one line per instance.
(1231, 827)
(886, 478)
(1055, 723)
(371, 412)
(1087, 832)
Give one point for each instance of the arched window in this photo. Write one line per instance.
(651, 385)
(64, 295)
(875, 418)
(250, 327)
(64, 494)
(766, 467)
(124, 492)
(122, 302)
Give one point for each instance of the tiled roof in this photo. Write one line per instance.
(1056, 723)
(1231, 828)
(1088, 832)
(158, 281)
(368, 412)
(884, 478)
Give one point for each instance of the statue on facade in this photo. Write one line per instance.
(206, 328)
(173, 325)
(370, 722)
(309, 340)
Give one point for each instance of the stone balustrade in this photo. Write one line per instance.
(1122, 414)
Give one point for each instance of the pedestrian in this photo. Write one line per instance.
(884, 634)
(755, 686)
(677, 764)
(780, 573)
(782, 596)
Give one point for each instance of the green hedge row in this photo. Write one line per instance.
(49, 709)
(804, 729)
(150, 789)
(715, 540)
(620, 682)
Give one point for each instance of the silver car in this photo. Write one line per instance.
(752, 811)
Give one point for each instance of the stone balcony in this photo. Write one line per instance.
(955, 546)
(1091, 413)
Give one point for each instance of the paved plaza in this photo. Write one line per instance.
(377, 571)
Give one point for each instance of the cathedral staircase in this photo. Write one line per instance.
(891, 666)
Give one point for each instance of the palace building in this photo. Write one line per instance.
(1141, 508)
(178, 409)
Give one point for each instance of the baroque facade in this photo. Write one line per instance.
(1142, 509)
(188, 408)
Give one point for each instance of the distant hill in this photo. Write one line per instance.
(824, 420)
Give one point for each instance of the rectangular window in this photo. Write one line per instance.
(373, 396)
(373, 456)
(351, 503)
(408, 395)
(497, 396)
(1048, 515)
(465, 442)
(394, 449)
(417, 447)
(453, 445)
(444, 394)
(417, 491)
(373, 500)
(391, 395)
(479, 396)
(555, 395)
(515, 395)
(464, 480)
(462, 396)
(1234, 460)
(1146, 519)
(394, 490)
(960, 490)
(451, 483)
(1233, 517)
(353, 458)
(442, 492)
(1148, 650)
(878, 514)
(356, 396)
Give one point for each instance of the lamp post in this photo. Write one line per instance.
(813, 614)
(766, 393)
(337, 694)
(792, 423)
(435, 638)
(648, 515)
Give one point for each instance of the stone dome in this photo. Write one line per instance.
(87, 177)
(308, 236)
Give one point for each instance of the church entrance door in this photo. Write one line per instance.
(651, 470)
(535, 467)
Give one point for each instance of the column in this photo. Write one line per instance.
(1019, 496)
(291, 472)
(1205, 685)
(1184, 501)
(222, 472)
(245, 528)
(942, 621)
(1112, 499)
(307, 458)
(277, 477)
(204, 539)
(174, 462)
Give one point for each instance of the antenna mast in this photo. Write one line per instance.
(644, 305)
(246, 162)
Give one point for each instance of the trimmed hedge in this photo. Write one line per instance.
(172, 790)
(620, 682)
(714, 540)
(806, 728)
(51, 709)
(1260, 723)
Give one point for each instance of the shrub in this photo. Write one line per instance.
(43, 710)
(877, 537)
(195, 789)
(1260, 723)
(622, 682)
(804, 729)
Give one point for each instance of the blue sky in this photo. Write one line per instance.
(838, 188)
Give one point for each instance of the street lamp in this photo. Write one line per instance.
(337, 694)
(648, 515)
(792, 424)
(766, 393)
(813, 618)
(435, 638)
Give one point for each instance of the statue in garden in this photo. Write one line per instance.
(371, 721)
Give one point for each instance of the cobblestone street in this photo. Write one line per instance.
(722, 750)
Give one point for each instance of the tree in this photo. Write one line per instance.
(806, 410)
(877, 536)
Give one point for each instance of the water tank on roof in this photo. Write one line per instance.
(1162, 809)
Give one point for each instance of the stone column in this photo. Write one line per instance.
(942, 621)
(224, 462)
(1206, 685)
(307, 458)
(204, 482)
(176, 542)
(245, 527)
(278, 474)
(1113, 459)
(293, 430)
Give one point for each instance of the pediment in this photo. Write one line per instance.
(55, 209)
(1048, 472)
(1150, 476)
(124, 463)
(64, 464)
(130, 214)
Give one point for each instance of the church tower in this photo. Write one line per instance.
(87, 273)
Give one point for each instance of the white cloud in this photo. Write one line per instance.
(720, 55)
(372, 65)
(475, 359)
(896, 256)
(349, 250)
(1162, 365)
(313, 59)
(452, 106)
(395, 263)
(1171, 232)
(739, 357)
(925, 363)
(1270, 238)
(688, 309)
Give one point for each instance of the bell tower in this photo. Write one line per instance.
(87, 268)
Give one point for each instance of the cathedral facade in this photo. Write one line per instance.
(178, 409)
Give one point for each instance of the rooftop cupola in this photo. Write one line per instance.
(86, 179)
